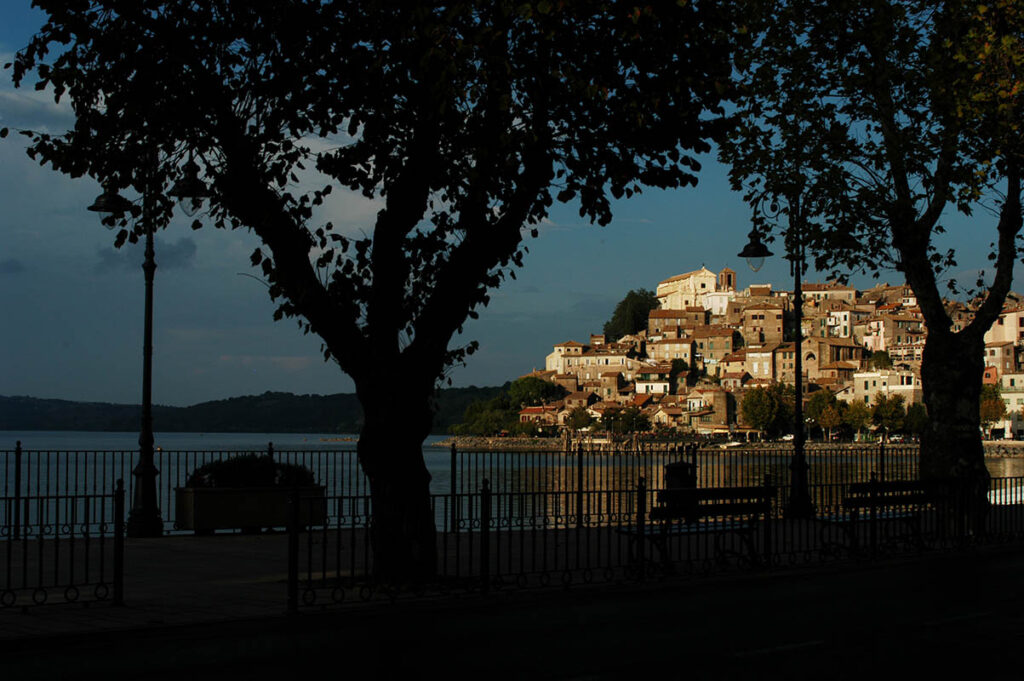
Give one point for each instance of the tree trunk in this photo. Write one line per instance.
(402, 530)
(951, 448)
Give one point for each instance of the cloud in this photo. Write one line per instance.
(11, 266)
(176, 255)
(27, 109)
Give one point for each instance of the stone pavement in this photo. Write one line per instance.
(212, 607)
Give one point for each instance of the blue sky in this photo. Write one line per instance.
(71, 305)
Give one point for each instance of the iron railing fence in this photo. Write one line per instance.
(62, 548)
(54, 473)
(494, 540)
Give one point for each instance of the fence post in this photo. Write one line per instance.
(451, 489)
(17, 490)
(270, 450)
(485, 537)
(875, 500)
(769, 493)
(293, 551)
(119, 543)
(641, 521)
(579, 488)
(881, 459)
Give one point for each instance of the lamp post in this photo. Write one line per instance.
(800, 505)
(144, 519)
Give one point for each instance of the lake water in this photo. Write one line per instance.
(104, 441)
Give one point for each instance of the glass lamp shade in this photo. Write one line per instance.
(111, 206)
(110, 203)
(755, 251)
(190, 205)
(190, 191)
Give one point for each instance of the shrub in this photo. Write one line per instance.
(250, 470)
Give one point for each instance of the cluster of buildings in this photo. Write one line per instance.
(733, 339)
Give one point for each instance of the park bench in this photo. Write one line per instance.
(889, 512)
(730, 516)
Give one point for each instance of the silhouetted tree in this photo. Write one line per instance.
(861, 125)
(630, 315)
(465, 120)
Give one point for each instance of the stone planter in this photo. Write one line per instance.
(250, 509)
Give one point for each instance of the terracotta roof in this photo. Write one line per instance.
(709, 331)
(570, 344)
(841, 365)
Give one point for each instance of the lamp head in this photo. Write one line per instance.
(190, 191)
(111, 205)
(755, 251)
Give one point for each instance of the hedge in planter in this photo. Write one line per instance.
(247, 492)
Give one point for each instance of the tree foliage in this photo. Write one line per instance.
(888, 412)
(579, 418)
(916, 419)
(992, 407)
(769, 409)
(531, 391)
(464, 121)
(630, 315)
(821, 410)
(628, 420)
(857, 416)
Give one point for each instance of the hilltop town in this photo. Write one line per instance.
(708, 343)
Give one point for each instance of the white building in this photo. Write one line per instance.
(867, 384)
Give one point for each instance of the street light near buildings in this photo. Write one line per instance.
(144, 519)
(799, 505)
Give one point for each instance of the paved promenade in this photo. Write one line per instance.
(212, 607)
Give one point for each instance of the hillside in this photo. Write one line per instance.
(270, 412)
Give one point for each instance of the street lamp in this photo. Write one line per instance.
(800, 505)
(144, 518)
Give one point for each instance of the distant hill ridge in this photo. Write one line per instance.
(271, 412)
